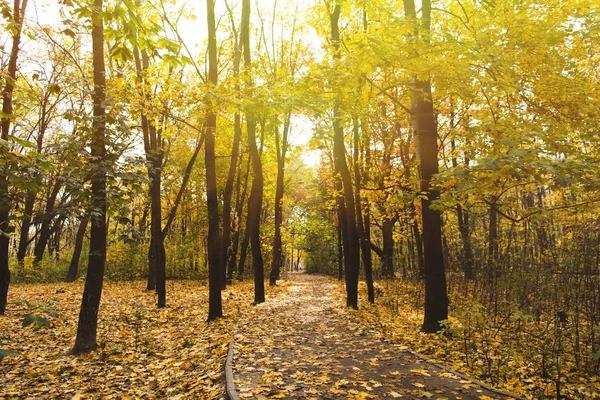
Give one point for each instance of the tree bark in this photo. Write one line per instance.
(88, 315)
(215, 308)
(225, 254)
(25, 227)
(45, 230)
(425, 130)
(239, 210)
(388, 247)
(256, 191)
(339, 153)
(74, 265)
(365, 242)
(281, 148)
(7, 97)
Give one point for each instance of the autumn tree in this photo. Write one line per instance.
(18, 16)
(256, 191)
(214, 248)
(88, 315)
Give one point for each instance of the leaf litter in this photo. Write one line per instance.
(306, 345)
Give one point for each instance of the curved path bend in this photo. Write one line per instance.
(304, 345)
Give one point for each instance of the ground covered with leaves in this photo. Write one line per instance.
(509, 353)
(306, 344)
(144, 352)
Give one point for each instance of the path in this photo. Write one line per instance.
(304, 345)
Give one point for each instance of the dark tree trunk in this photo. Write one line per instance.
(256, 191)
(153, 148)
(24, 234)
(54, 245)
(365, 241)
(465, 236)
(425, 130)
(239, 209)
(339, 152)
(225, 255)
(243, 254)
(7, 97)
(45, 230)
(88, 315)
(281, 148)
(493, 244)
(157, 239)
(340, 247)
(388, 247)
(419, 246)
(215, 308)
(74, 265)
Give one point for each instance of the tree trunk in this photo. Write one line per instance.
(215, 308)
(25, 227)
(281, 148)
(7, 97)
(45, 230)
(256, 191)
(74, 265)
(340, 247)
(88, 315)
(465, 236)
(493, 244)
(226, 266)
(425, 130)
(365, 241)
(239, 210)
(388, 247)
(339, 153)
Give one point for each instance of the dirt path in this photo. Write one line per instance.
(304, 345)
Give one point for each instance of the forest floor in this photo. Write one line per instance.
(144, 352)
(308, 345)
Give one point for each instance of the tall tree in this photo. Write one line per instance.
(227, 274)
(18, 16)
(256, 191)
(88, 315)
(426, 136)
(352, 261)
(215, 309)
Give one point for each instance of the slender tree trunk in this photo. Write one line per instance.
(340, 247)
(45, 230)
(239, 210)
(339, 152)
(243, 254)
(215, 308)
(256, 191)
(493, 244)
(88, 315)
(74, 265)
(226, 271)
(25, 227)
(365, 242)
(7, 97)
(281, 148)
(388, 247)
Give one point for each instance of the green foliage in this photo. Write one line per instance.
(35, 320)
